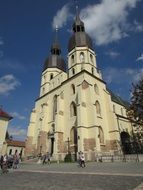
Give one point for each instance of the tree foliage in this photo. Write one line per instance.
(136, 107)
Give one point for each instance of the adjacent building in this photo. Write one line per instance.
(4, 121)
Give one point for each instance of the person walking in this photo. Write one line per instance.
(4, 164)
(82, 158)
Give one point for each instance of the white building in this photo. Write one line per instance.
(75, 111)
(4, 121)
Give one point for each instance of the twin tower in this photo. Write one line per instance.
(80, 57)
(74, 110)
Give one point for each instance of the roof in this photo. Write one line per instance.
(3, 114)
(55, 61)
(79, 39)
(15, 143)
(117, 99)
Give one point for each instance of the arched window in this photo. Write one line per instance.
(98, 109)
(43, 90)
(92, 70)
(91, 58)
(101, 135)
(54, 106)
(51, 76)
(73, 109)
(73, 89)
(96, 89)
(73, 135)
(44, 78)
(72, 59)
(73, 71)
(82, 57)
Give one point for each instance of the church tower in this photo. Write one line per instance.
(53, 66)
(75, 111)
(81, 55)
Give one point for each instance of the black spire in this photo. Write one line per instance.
(55, 48)
(79, 38)
(55, 60)
(78, 25)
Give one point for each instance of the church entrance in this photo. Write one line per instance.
(126, 142)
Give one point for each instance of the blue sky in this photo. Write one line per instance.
(26, 33)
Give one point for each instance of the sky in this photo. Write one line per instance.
(27, 29)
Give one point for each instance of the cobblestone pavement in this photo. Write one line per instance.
(96, 176)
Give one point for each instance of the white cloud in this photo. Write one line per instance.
(11, 64)
(113, 54)
(61, 17)
(122, 75)
(8, 83)
(140, 58)
(17, 115)
(17, 132)
(138, 27)
(107, 22)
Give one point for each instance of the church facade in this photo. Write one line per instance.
(75, 111)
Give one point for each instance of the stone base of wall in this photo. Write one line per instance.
(61, 145)
(89, 144)
(42, 142)
(29, 147)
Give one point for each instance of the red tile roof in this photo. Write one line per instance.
(15, 143)
(5, 115)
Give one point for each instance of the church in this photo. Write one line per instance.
(75, 110)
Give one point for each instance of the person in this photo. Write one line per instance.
(48, 158)
(44, 159)
(4, 164)
(1, 161)
(82, 158)
(79, 158)
(15, 161)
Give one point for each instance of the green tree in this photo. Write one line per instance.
(136, 107)
(135, 114)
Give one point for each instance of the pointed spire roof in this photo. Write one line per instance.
(78, 25)
(55, 48)
(55, 60)
(79, 38)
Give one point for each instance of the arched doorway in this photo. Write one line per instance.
(126, 142)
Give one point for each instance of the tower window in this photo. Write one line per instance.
(72, 59)
(82, 57)
(73, 109)
(43, 90)
(98, 109)
(44, 78)
(73, 88)
(73, 71)
(96, 89)
(92, 70)
(51, 76)
(91, 58)
(54, 106)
